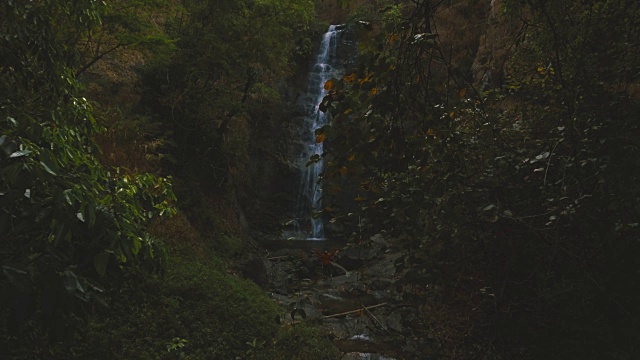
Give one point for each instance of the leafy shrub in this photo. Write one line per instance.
(214, 313)
(65, 220)
(302, 342)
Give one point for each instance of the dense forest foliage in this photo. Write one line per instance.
(130, 129)
(518, 189)
(86, 169)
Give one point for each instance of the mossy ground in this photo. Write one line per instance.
(196, 310)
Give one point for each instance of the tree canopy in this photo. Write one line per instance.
(513, 189)
(232, 58)
(529, 181)
(66, 221)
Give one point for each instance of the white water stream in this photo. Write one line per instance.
(308, 224)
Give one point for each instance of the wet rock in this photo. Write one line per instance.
(298, 307)
(336, 299)
(379, 240)
(304, 311)
(289, 253)
(383, 268)
(332, 304)
(401, 318)
(384, 296)
(394, 321)
(350, 262)
(359, 256)
(335, 328)
(364, 356)
(361, 343)
(267, 274)
(382, 283)
(349, 285)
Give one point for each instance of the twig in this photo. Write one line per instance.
(375, 319)
(354, 311)
(546, 171)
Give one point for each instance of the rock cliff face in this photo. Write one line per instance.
(478, 39)
(496, 43)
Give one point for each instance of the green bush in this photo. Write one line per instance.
(301, 342)
(196, 312)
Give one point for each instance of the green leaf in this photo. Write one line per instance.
(326, 102)
(48, 162)
(17, 276)
(313, 159)
(137, 245)
(71, 282)
(20, 153)
(91, 209)
(100, 262)
(67, 196)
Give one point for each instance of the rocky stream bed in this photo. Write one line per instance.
(358, 294)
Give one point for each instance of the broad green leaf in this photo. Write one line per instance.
(91, 209)
(48, 162)
(137, 245)
(100, 262)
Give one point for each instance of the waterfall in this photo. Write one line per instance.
(308, 226)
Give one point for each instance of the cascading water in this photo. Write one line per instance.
(308, 226)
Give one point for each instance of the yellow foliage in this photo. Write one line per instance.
(366, 79)
(329, 85)
(349, 78)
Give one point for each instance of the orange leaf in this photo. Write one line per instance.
(320, 138)
(373, 91)
(329, 85)
(343, 171)
(349, 78)
(351, 157)
(366, 79)
(462, 92)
